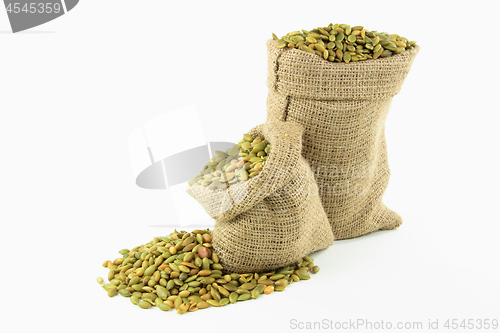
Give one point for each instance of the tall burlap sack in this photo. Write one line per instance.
(342, 108)
(273, 219)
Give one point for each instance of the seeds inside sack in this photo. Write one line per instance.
(238, 164)
(343, 43)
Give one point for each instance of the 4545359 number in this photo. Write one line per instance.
(34, 7)
(470, 324)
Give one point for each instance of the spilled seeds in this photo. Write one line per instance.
(180, 271)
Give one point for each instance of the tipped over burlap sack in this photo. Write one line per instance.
(273, 219)
(342, 107)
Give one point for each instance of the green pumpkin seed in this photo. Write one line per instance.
(340, 54)
(177, 303)
(386, 53)
(164, 307)
(244, 297)
(208, 280)
(184, 269)
(303, 275)
(144, 305)
(108, 286)
(149, 271)
(311, 40)
(134, 280)
(267, 282)
(124, 293)
(215, 294)
(260, 288)
(162, 292)
(347, 57)
(281, 282)
(248, 286)
(233, 297)
(149, 296)
(158, 301)
(391, 47)
(213, 302)
(217, 267)
(230, 287)
(206, 264)
(138, 287)
(276, 277)
(203, 305)
(255, 293)
(112, 292)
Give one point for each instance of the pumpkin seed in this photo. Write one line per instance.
(224, 301)
(213, 302)
(281, 282)
(244, 297)
(124, 293)
(303, 275)
(347, 57)
(260, 288)
(108, 286)
(386, 53)
(203, 305)
(164, 307)
(162, 292)
(248, 286)
(177, 302)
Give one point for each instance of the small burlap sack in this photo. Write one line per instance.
(273, 219)
(342, 108)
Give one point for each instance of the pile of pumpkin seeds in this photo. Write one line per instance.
(343, 43)
(239, 163)
(180, 271)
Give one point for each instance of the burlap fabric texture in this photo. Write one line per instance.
(342, 108)
(273, 219)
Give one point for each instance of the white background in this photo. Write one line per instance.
(73, 90)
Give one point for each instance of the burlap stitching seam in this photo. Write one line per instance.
(285, 111)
